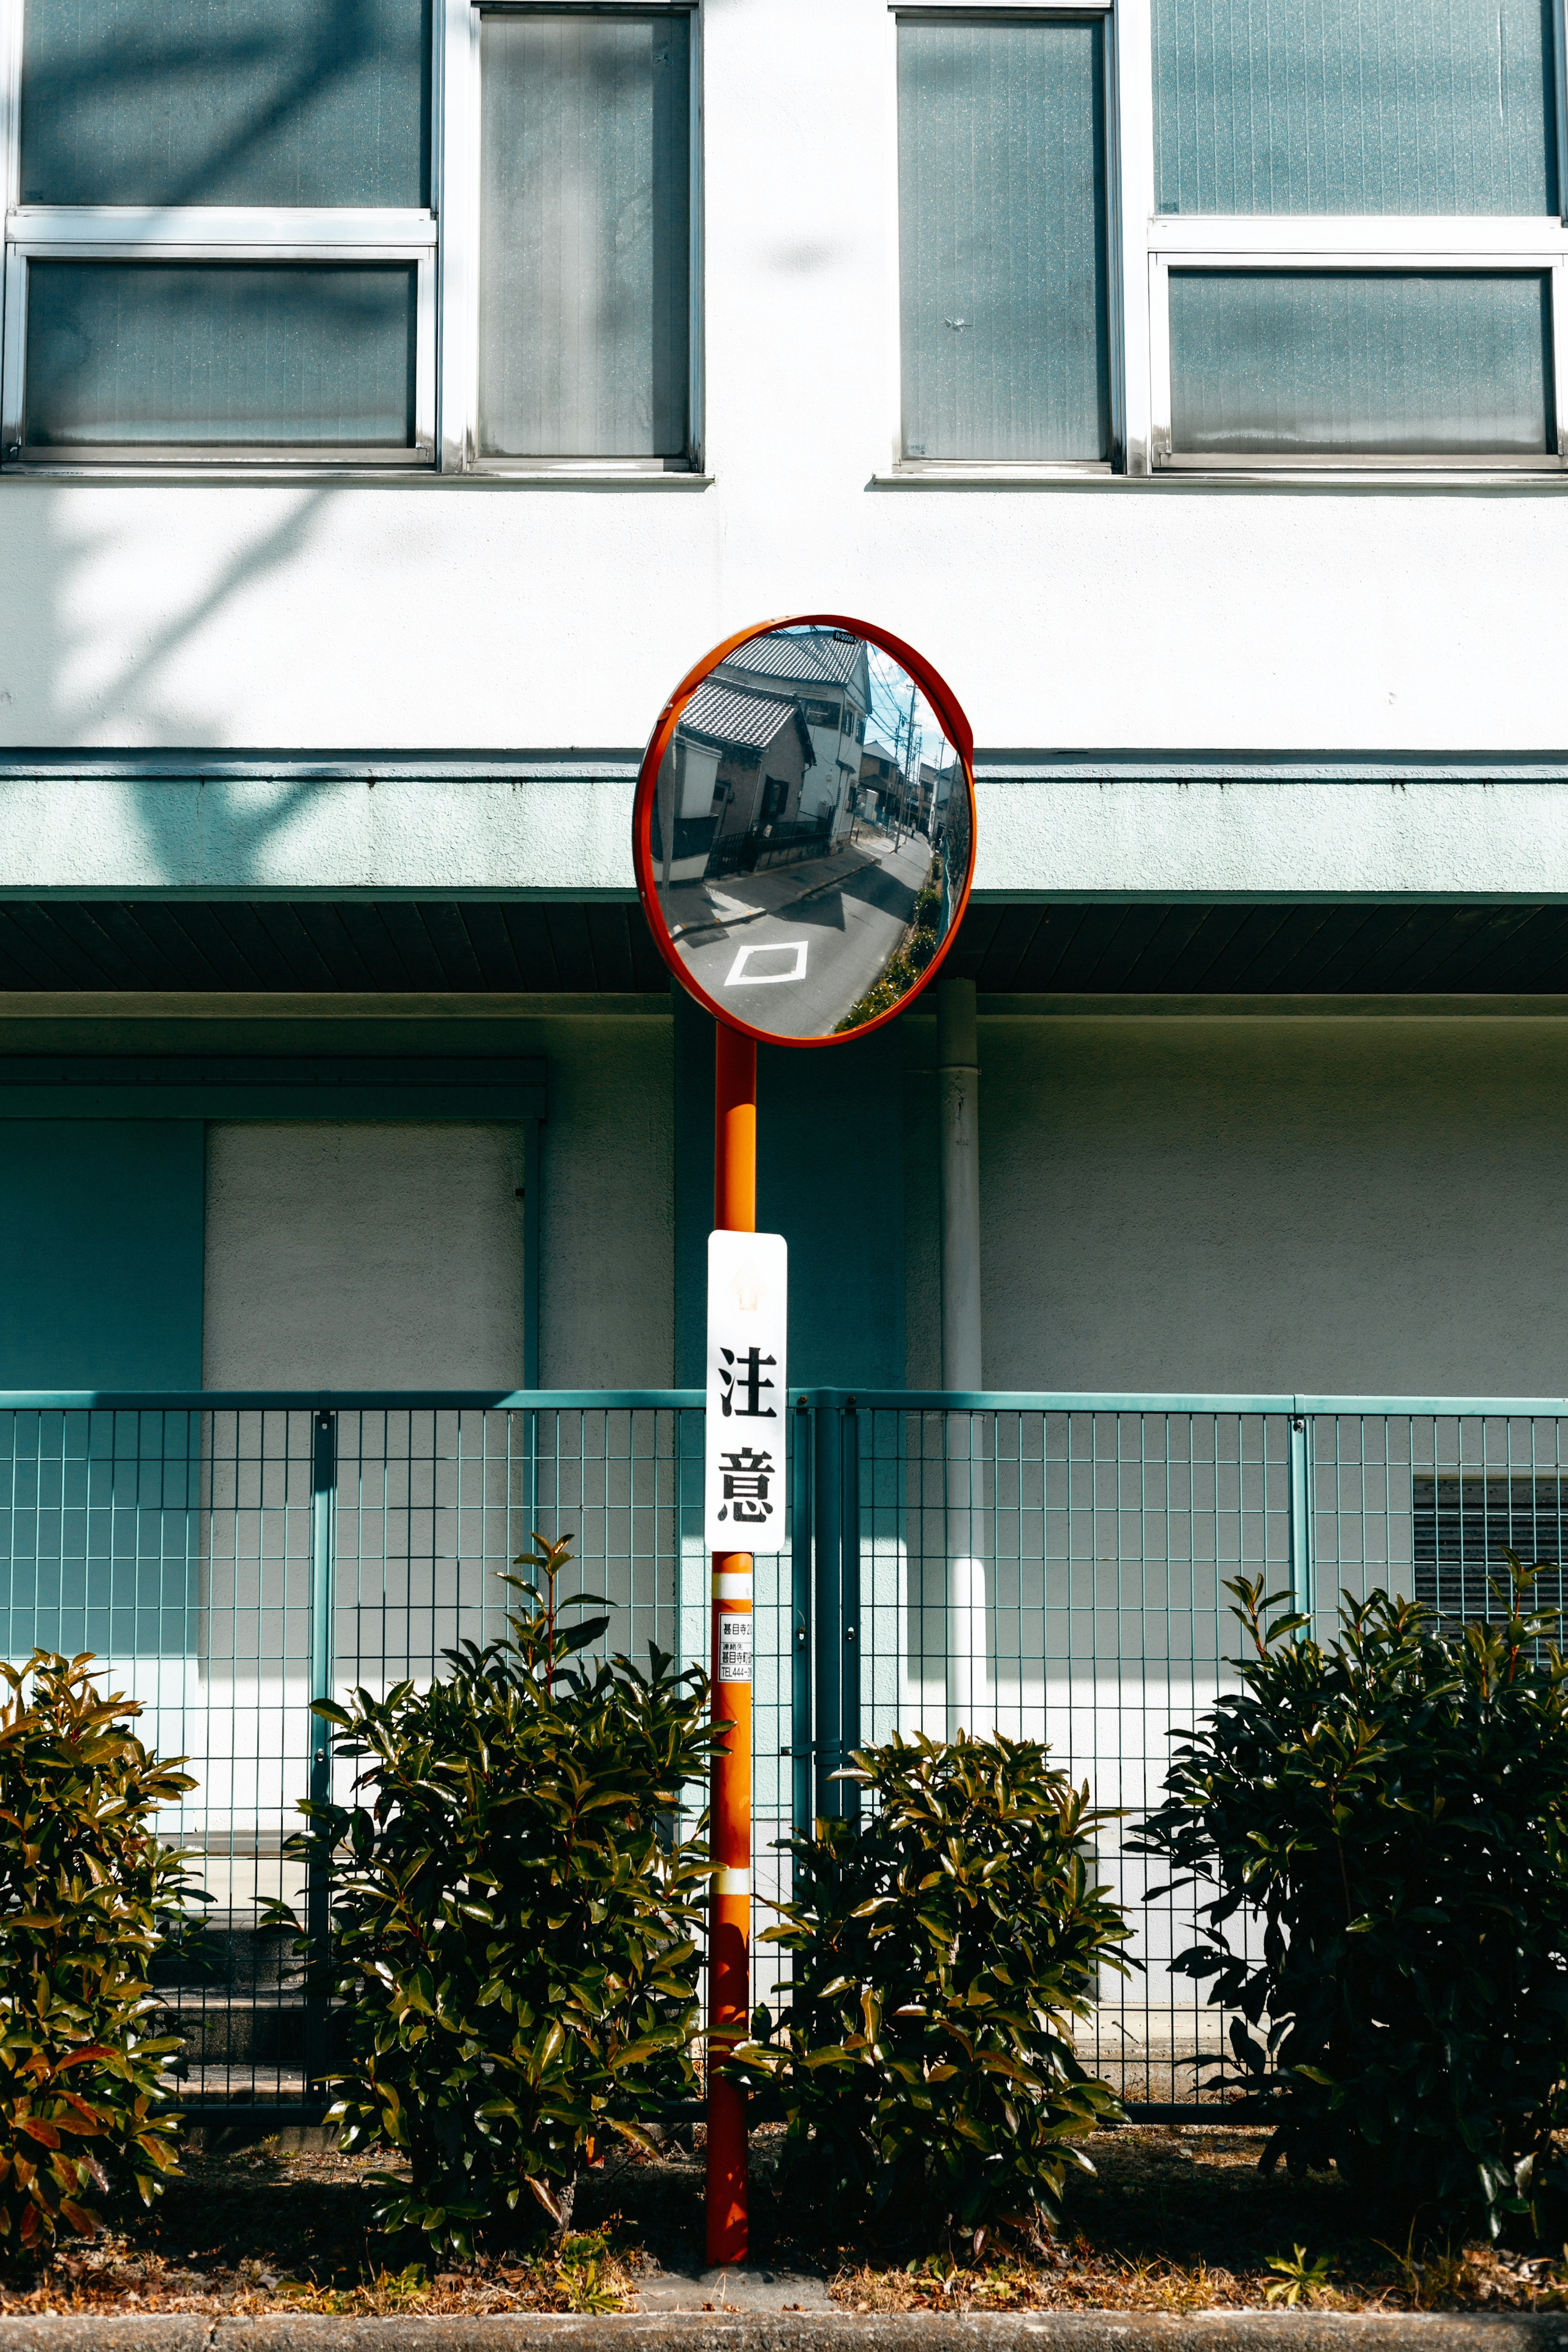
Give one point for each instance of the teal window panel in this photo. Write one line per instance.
(1354, 106)
(1320, 363)
(1004, 322)
(100, 1253)
(197, 355)
(225, 103)
(100, 1287)
(585, 236)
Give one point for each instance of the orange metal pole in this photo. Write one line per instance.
(735, 1210)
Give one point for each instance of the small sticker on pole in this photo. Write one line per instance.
(734, 1649)
(747, 1322)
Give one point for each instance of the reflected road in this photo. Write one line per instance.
(798, 966)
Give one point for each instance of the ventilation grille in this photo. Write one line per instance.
(1465, 1521)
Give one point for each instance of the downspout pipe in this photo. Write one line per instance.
(970, 1705)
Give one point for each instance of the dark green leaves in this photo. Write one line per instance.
(88, 1897)
(1393, 1811)
(940, 1955)
(512, 1938)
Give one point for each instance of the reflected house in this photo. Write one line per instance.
(827, 670)
(880, 782)
(936, 785)
(733, 781)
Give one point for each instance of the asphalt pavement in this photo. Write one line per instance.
(796, 964)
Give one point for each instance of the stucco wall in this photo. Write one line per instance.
(363, 1254)
(608, 1265)
(391, 1255)
(1330, 1206)
(1121, 834)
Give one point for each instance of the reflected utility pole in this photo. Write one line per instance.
(906, 757)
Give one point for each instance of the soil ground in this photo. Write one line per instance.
(1176, 2218)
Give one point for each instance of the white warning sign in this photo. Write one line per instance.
(748, 1315)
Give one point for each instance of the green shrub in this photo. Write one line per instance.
(915, 949)
(941, 1948)
(512, 1935)
(87, 1896)
(1395, 1807)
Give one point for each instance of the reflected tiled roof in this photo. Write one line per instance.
(732, 717)
(817, 655)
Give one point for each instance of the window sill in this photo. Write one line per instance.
(1230, 478)
(936, 474)
(387, 478)
(570, 475)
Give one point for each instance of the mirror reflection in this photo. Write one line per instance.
(810, 834)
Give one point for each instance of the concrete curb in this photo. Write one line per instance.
(1068, 2331)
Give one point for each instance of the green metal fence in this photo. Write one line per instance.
(1048, 1565)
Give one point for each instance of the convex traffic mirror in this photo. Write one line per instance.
(804, 828)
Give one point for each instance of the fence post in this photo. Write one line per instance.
(828, 1504)
(849, 1684)
(800, 1628)
(318, 1892)
(533, 1229)
(1302, 1594)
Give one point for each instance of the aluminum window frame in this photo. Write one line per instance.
(459, 114)
(216, 234)
(99, 236)
(1002, 470)
(1361, 248)
(1480, 243)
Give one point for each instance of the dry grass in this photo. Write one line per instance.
(270, 2228)
(1176, 2219)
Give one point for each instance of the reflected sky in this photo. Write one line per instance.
(810, 834)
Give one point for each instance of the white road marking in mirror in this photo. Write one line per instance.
(741, 978)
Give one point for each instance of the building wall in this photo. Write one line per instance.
(1330, 1206)
(390, 1255)
(607, 1269)
(423, 614)
(101, 1220)
(830, 1178)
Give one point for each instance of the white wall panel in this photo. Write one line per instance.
(363, 1254)
(390, 1255)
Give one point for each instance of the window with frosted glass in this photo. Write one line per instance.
(1002, 240)
(1354, 106)
(1316, 364)
(586, 235)
(196, 354)
(253, 102)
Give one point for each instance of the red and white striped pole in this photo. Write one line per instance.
(734, 1211)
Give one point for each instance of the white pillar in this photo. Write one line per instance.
(970, 1705)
